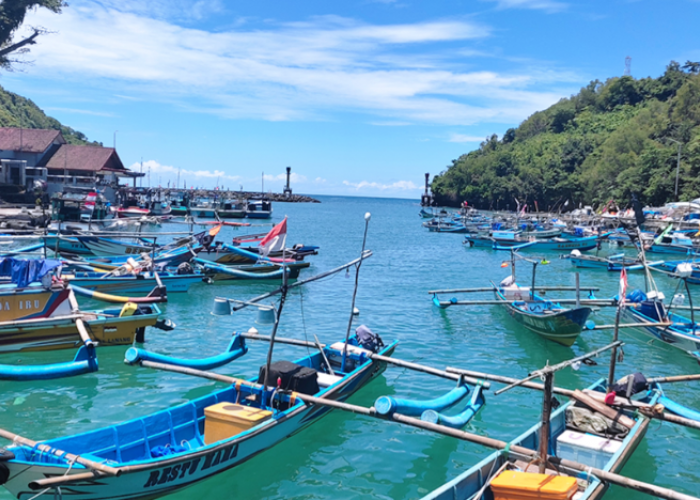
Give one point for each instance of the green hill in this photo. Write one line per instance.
(608, 141)
(18, 111)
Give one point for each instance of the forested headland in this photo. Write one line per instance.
(609, 141)
(18, 111)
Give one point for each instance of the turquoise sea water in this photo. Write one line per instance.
(345, 456)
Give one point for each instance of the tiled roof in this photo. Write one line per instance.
(89, 158)
(28, 140)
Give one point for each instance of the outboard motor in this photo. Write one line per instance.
(185, 268)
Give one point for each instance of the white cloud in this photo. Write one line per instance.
(546, 5)
(170, 172)
(287, 71)
(465, 138)
(81, 111)
(395, 186)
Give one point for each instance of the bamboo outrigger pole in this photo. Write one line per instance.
(512, 449)
(376, 357)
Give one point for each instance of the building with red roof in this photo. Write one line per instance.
(31, 156)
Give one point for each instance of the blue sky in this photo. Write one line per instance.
(359, 97)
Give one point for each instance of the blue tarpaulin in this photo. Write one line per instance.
(25, 271)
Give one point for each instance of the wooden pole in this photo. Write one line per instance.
(82, 330)
(366, 255)
(578, 290)
(546, 414)
(284, 289)
(676, 378)
(559, 366)
(613, 353)
(541, 288)
(354, 294)
(585, 302)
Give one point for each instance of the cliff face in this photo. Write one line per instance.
(608, 141)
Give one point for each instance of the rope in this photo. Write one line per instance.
(57, 493)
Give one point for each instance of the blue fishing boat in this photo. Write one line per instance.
(509, 240)
(612, 263)
(438, 225)
(675, 330)
(544, 317)
(94, 245)
(136, 285)
(158, 454)
(607, 453)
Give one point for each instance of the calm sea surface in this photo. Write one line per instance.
(346, 456)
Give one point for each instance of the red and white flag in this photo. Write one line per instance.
(275, 239)
(90, 199)
(623, 285)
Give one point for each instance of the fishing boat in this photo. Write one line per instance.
(511, 475)
(230, 209)
(612, 263)
(678, 242)
(505, 240)
(425, 214)
(544, 317)
(547, 318)
(158, 454)
(438, 225)
(259, 209)
(140, 284)
(203, 209)
(661, 322)
(94, 245)
(258, 271)
(36, 318)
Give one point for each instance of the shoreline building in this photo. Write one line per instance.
(32, 159)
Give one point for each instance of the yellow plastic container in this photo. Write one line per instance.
(515, 485)
(128, 310)
(224, 420)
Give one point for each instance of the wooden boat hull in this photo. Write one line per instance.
(232, 214)
(469, 483)
(562, 327)
(552, 244)
(154, 477)
(62, 333)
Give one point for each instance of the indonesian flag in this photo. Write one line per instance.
(90, 199)
(522, 212)
(623, 285)
(275, 239)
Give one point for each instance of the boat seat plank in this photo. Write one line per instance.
(529, 467)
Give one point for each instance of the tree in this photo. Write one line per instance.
(12, 13)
